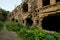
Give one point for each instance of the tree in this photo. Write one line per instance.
(3, 14)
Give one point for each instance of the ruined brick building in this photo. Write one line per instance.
(44, 14)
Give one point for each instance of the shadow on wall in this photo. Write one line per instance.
(51, 22)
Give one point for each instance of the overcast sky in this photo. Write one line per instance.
(9, 4)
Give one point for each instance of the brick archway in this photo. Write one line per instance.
(29, 21)
(51, 22)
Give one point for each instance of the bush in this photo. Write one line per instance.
(35, 34)
(30, 32)
(12, 26)
(1, 25)
(57, 36)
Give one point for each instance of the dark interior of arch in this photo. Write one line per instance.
(46, 2)
(51, 22)
(29, 21)
(57, 0)
(25, 7)
(16, 20)
(12, 19)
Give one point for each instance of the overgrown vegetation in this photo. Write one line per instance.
(12, 26)
(26, 32)
(1, 25)
(3, 14)
(30, 32)
(3, 17)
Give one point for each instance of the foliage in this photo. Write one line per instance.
(30, 32)
(12, 26)
(1, 25)
(3, 14)
(35, 34)
(3, 17)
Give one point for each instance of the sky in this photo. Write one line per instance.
(9, 5)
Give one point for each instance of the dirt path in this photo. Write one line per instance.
(8, 35)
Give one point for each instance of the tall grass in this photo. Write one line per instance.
(1, 25)
(30, 32)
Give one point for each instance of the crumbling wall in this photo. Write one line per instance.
(32, 12)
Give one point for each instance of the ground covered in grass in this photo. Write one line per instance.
(30, 32)
(1, 25)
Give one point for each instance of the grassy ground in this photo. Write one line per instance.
(30, 32)
(1, 25)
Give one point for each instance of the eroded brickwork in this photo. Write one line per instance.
(32, 12)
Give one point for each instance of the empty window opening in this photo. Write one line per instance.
(38, 10)
(35, 10)
(25, 7)
(12, 19)
(29, 21)
(16, 20)
(23, 21)
(57, 0)
(46, 2)
(51, 22)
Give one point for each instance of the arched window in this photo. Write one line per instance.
(12, 19)
(16, 20)
(51, 22)
(25, 7)
(29, 21)
(46, 2)
(57, 0)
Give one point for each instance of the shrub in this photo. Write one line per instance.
(30, 32)
(12, 26)
(57, 36)
(1, 25)
(35, 34)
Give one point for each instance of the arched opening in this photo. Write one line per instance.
(12, 19)
(16, 20)
(29, 21)
(25, 7)
(51, 22)
(46, 2)
(23, 21)
(57, 0)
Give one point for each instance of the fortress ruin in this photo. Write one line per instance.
(44, 14)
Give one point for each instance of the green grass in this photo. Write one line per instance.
(12, 26)
(1, 25)
(30, 32)
(36, 34)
